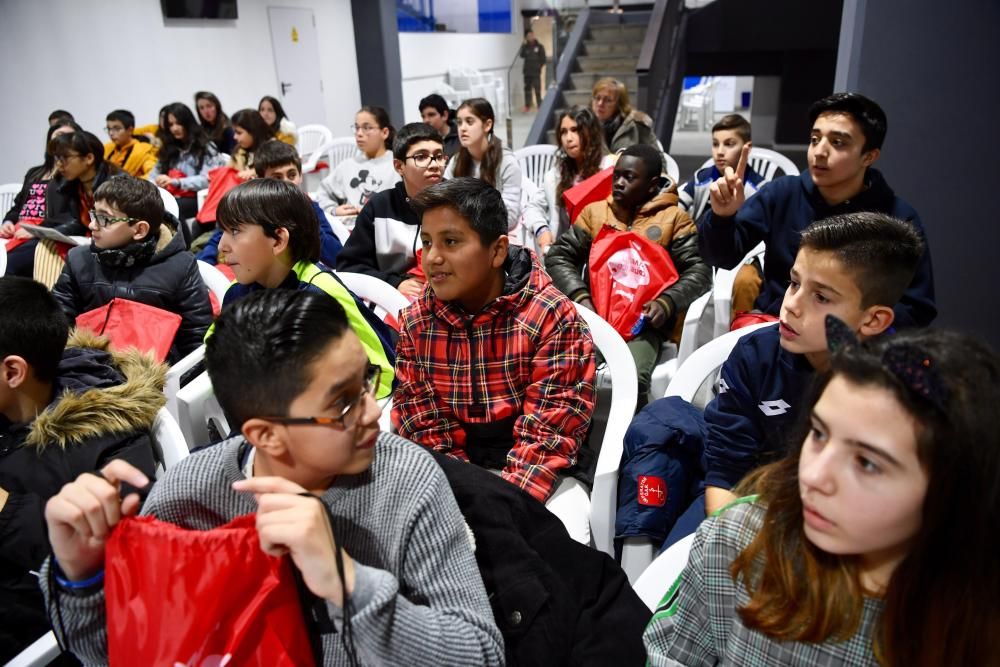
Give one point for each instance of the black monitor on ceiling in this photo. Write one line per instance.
(199, 9)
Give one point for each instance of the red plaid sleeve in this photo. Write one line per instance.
(558, 406)
(418, 411)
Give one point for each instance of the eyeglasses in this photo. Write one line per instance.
(423, 160)
(66, 158)
(114, 130)
(604, 99)
(365, 128)
(373, 375)
(104, 221)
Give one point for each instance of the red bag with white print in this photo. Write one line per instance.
(627, 271)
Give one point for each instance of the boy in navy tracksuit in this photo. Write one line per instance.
(847, 134)
(854, 267)
(729, 136)
(385, 236)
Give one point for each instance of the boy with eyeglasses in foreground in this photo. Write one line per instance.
(384, 240)
(134, 256)
(292, 376)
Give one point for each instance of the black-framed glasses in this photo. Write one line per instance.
(66, 158)
(114, 130)
(345, 420)
(104, 221)
(423, 160)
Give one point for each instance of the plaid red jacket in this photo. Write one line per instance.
(526, 358)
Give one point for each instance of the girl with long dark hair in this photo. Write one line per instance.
(69, 198)
(251, 132)
(214, 121)
(581, 154)
(185, 159)
(274, 115)
(873, 541)
(484, 156)
(30, 201)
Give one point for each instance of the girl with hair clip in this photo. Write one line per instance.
(872, 542)
(185, 159)
(69, 198)
(214, 121)
(353, 182)
(251, 132)
(581, 154)
(274, 115)
(30, 203)
(484, 156)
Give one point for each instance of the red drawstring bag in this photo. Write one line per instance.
(220, 181)
(587, 191)
(176, 190)
(132, 324)
(13, 242)
(200, 597)
(627, 271)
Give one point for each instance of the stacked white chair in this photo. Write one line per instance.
(624, 393)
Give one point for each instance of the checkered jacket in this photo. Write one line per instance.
(696, 622)
(526, 357)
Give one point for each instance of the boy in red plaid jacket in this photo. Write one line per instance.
(493, 363)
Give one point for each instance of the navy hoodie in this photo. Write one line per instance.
(761, 390)
(779, 212)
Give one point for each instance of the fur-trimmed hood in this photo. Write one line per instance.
(99, 392)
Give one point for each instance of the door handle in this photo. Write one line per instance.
(285, 86)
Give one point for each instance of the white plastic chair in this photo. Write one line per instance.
(169, 446)
(704, 362)
(340, 230)
(215, 280)
(661, 574)
(370, 289)
(624, 393)
(534, 161)
(722, 291)
(670, 165)
(338, 150)
(196, 408)
(3, 258)
(170, 204)
(8, 193)
(313, 142)
(44, 650)
(766, 163)
(202, 195)
(174, 374)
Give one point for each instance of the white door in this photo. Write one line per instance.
(296, 58)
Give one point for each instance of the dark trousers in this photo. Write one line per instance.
(532, 82)
(21, 260)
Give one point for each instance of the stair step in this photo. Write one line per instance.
(586, 80)
(630, 48)
(605, 63)
(618, 33)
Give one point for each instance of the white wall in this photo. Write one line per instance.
(426, 56)
(92, 56)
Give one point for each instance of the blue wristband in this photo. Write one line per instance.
(66, 583)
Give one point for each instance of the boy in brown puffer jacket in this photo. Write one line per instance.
(640, 204)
